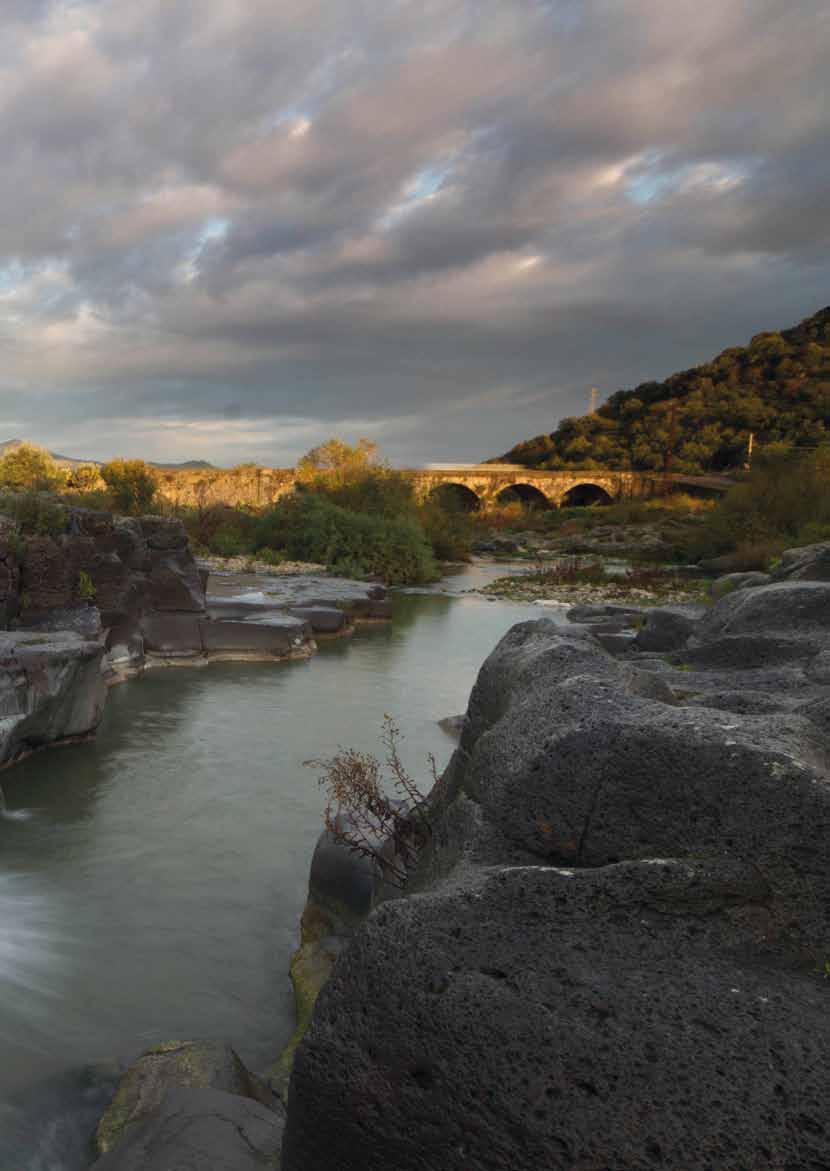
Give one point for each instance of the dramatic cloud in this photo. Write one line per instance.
(230, 230)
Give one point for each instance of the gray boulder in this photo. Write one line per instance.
(808, 563)
(537, 1017)
(192, 1065)
(201, 1130)
(800, 608)
(729, 582)
(611, 953)
(664, 630)
(276, 637)
(51, 690)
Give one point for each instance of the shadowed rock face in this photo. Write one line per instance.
(51, 690)
(613, 950)
(197, 1130)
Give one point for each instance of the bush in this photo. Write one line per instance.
(35, 515)
(310, 528)
(450, 531)
(30, 469)
(132, 485)
(786, 497)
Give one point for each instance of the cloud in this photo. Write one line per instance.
(440, 222)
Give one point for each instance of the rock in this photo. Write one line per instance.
(729, 582)
(799, 610)
(746, 651)
(629, 615)
(664, 630)
(322, 619)
(201, 1130)
(84, 621)
(162, 532)
(536, 1017)
(452, 725)
(276, 637)
(51, 690)
(808, 563)
(175, 583)
(611, 952)
(192, 1065)
(615, 644)
(172, 636)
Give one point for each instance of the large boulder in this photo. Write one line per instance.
(611, 952)
(51, 690)
(192, 1065)
(537, 1017)
(201, 1130)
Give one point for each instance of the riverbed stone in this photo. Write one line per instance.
(664, 630)
(201, 1130)
(322, 619)
(275, 637)
(171, 635)
(807, 563)
(193, 1065)
(729, 582)
(51, 690)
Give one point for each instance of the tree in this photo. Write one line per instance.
(338, 459)
(30, 469)
(132, 485)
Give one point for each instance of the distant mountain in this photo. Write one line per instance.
(67, 461)
(777, 388)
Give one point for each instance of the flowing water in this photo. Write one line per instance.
(151, 881)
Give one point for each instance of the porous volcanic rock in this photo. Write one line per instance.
(807, 563)
(612, 951)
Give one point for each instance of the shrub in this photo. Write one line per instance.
(30, 469)
(132, 484)
(362, 815)
(786, 495)
(35, 515)
(86, 587)
(450, 531)
(310, 528)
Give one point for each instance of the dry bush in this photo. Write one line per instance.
(360, 813)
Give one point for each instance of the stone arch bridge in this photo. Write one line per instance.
(475, 486)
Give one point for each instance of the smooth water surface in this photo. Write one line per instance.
(151, 881)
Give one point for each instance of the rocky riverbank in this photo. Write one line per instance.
(100, 598)
(613, 951)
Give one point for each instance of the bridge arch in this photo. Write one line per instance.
(585, 495)
(525, 494)
(456, 496)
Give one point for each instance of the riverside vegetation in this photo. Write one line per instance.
(360, 518)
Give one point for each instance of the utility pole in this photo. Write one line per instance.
(749, 448)
(594, 400)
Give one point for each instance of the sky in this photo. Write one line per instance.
(230, 230)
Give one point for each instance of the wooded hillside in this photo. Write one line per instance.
(777, 387)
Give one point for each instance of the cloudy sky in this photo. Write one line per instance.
(232, 228)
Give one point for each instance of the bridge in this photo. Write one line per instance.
(473, 486)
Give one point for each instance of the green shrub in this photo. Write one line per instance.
(785, 499)
(35, 515)
(86, 587)
(309, 527)
(450, 531)
(132, 485)
(30, 469)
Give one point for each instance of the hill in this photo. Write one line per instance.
(777, 388)
(68, 461)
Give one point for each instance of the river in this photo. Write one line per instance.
(151, 881)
